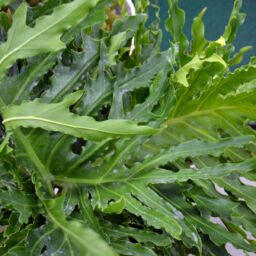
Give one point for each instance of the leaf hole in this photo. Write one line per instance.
(40, 220)
(89, 196)
(110, 201)
(197, 95)
(135, 197)
(30, 220)
(57, 190)
(128, 164)
(67, 58)
(170, 167)
(222, 159)
(42, 85)
(142, 123)
(253, 126)
(2, 129)
(104, 112)
(79, 49)
(44, 249)
(137, 225)
(133, 97)
(220, 190)
(247, 182)
(77, 146)
(188, 161)
(190, 164)
(156, 107)
(132, 240)
(141, 94)
(222, 133)
(159, 231)
(217, 220)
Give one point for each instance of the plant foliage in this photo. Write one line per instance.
(111, 151)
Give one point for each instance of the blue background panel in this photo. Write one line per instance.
(215, 19)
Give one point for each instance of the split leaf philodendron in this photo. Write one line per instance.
(108, 151)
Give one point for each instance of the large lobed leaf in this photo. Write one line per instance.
(47, 32)
(56, 117)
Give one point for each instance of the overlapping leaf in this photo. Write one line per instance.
(61, 191)
(56, 117)
(47, 31)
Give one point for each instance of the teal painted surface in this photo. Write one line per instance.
(215, 19)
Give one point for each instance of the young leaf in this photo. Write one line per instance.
(195, 63)
(116, 42)
(239, 56)
(235, 20)
(198, 42)
(174, 24)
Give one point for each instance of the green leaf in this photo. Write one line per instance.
(56, 117)
(195, 63)
(67, 78)
(5, 21)
(13, 226)
(4, 148)
(87, 240)
(198, 42)
(116, 206)
(135, 78)
(174, 24)
(224, 207)
(128, 248)
(88, 214)
(98, 90)
(17, 239)
(141, 202)
(62, 236)
(239, 56)
(142, 236)
(91, 185)
(47, 31)
(116, 42)
(245, 217)
(5, 3)
(233, 184)
(218, 171)
(188, 149)
(218, 234)
(130, 23)
(25, 204)
(17, 88)
(95, 16)
(235, 20)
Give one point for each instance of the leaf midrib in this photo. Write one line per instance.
(33, 37)
(72, 234)
(11, 119)
(199, 113)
